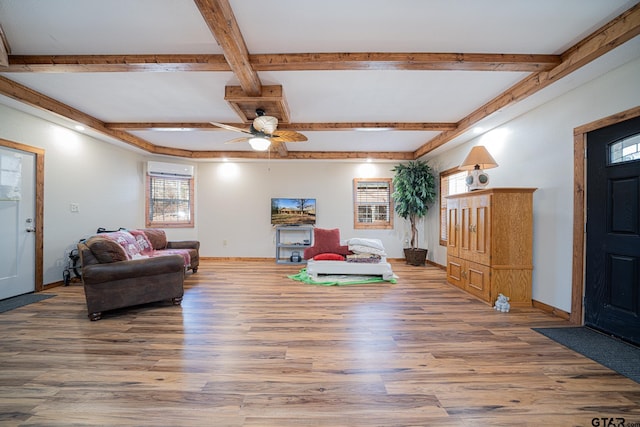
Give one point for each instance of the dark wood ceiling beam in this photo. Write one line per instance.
(305, 155)
(283, 62)
(608, 37)
(222, 23)
(350, 155)
(340, 126)
(403, 61)
(115, 63)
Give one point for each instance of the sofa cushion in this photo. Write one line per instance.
(157, 237)
(184, 253)
(106, 250)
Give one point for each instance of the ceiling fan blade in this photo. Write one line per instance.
(240, 139)
(289, 136)
(232, 128)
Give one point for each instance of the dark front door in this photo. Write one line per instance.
(612, 283)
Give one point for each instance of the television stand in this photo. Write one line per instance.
(292, 238)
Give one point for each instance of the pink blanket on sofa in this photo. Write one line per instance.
(136, 245)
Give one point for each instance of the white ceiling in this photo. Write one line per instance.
(129, 27)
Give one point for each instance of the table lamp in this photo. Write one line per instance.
(477, 160)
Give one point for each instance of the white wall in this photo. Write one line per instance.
(536, 150)
(234, 202)
(104, 180)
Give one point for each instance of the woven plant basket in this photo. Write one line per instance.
(415, 256)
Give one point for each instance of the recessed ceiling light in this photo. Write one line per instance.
(372, 129)
(79, 128)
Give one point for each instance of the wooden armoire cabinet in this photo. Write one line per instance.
(490, 243)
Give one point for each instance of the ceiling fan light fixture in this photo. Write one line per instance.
(259, 144)
(266, 124)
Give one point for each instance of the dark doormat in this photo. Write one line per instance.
(22, 300)
(608, 351)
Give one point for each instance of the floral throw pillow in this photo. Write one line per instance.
(126, 240)
(143, 242)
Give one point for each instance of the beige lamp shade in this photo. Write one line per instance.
(478, 158)
(266, 124)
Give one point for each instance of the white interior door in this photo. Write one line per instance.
(17, 226)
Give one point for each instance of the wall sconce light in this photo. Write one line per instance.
(477, 160)
(259, 144)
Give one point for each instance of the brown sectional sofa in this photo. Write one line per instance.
(132, 267)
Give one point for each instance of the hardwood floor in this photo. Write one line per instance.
(250, 347)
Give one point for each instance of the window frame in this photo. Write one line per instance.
(148, 202)
(444, 192)
(379, 225)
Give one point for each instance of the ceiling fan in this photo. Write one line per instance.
(263, 132)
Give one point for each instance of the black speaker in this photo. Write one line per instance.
(295, 256)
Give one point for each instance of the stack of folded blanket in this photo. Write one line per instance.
(365, 250)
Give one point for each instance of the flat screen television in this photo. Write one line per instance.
(289, 211)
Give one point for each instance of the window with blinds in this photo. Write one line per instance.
(372, 203)
(451, 182)
(169, 202)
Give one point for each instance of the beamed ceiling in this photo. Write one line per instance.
(394, 80)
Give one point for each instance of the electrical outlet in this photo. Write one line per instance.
(59, 263)
(224, 242)
(74, 207)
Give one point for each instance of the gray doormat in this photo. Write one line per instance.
(22, 300)
(606, 350)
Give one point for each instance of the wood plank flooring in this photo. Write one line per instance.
(250, 347)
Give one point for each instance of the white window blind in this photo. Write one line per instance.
(372, 203)
(169, 201)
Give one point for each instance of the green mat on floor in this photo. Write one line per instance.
(338, 279)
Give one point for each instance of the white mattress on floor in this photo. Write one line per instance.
(381, 268)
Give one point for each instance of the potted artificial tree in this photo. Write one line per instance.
(413, 191)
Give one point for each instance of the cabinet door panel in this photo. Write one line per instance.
(514, 283)
(465, 228)
(455, 271)
(481, 230)
(478, 280)
(452, 228)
